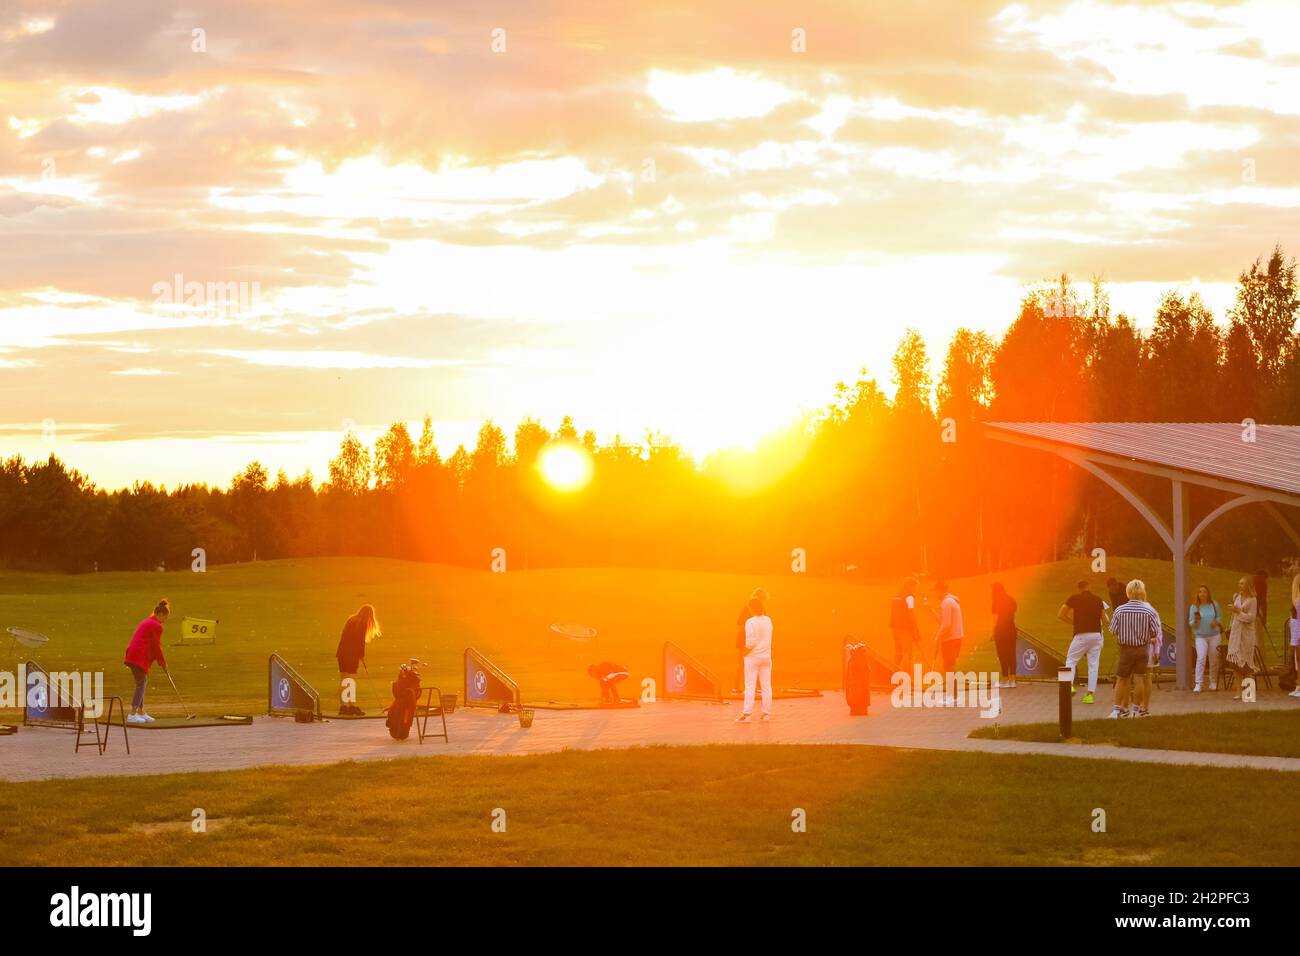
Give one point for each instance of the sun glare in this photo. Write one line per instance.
(565, 467)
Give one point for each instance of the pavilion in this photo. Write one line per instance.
(1245, 462)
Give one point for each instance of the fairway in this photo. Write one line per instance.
(706, 806)
(297, 607)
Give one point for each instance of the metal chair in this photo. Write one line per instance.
(429, 709)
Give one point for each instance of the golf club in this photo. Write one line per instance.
(188, 715)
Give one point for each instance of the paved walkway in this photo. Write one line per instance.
(40, 754)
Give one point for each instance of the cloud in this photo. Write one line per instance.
(429, 222)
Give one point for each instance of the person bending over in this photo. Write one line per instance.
(358, 631)
(607, 676)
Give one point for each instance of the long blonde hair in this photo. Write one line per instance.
(366, 615)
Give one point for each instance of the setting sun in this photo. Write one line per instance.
(565, 467)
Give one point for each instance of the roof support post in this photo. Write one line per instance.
(1181, 514)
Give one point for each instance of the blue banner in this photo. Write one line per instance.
(1034, 659)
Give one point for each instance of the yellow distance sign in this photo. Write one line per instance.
(196, 630)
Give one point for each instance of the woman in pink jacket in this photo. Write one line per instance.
(144, 649)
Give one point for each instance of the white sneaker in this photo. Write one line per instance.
(1214, 687)
(147, 718)
(1294, 693)
(743, 718)
(1196, 689)
(136, 719)
(1116, 713)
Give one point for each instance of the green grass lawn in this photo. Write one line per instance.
(1270, 733)
(657, 806)
(434, 612)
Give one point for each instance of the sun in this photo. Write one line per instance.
(565, 466)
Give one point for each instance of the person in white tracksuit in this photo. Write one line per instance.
(758, 660)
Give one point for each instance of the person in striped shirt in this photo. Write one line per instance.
(1136, 625)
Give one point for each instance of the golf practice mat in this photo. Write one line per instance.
(778, 693)
(570, 705)
(376, 714)
(181, 723)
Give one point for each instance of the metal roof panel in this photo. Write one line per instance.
(1216, 449)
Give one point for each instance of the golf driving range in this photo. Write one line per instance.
(295, 609)
(459, 623)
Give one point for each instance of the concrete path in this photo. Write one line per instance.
(40, 754)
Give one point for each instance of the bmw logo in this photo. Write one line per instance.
(282, 689)
(480, 682)
(1173, 653)
(1030, 660)
(679, 675)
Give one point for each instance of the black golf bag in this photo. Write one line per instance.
(857, 680)
(406, 697)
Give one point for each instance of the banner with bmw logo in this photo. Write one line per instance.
(1169, 649)
(287, 692)
(684, 676)
(1035, 659)
(485, 683)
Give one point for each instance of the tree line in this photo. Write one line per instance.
(867, 485)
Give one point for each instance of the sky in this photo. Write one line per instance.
(232, 230)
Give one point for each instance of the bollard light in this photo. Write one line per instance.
(1064, 678)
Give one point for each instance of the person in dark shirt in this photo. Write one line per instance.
(1261, 595)
(1085, 613)
(358, 631)
(902, 622)
(1115, 592)
(1004, 633)
(607, 676)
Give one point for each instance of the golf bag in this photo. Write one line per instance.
(406, 696)
(857, 680)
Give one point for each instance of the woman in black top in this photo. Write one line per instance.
(358, 631)
(1115, 591)
(1004, 633)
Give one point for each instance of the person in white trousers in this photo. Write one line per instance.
(1086, 615)
(1206, 623)
(758, 660)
